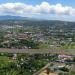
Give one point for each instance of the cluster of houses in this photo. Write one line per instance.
(14, 37)
(62, 65)
(65, 58)
(54, 38)
(24, 35)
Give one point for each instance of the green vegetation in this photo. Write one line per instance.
(22, 65)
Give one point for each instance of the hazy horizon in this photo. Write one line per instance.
(41, 9)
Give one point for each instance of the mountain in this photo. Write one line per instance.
(7, 17)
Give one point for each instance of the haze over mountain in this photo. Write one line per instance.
(8, 17)
(41, 9)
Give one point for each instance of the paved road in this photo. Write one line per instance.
(37, 51)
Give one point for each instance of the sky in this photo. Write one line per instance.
(41, 9)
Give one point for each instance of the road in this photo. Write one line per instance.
(37, 51)
(38, 72)
(46, 66)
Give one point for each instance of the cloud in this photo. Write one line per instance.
(22, 9)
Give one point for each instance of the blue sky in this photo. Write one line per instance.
(64, 2)
(48, 9)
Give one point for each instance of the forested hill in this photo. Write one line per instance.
(32, 22)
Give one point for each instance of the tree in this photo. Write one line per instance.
(48, 70)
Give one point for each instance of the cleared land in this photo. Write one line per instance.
(45, 73)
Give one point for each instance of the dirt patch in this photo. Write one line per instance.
(44, 73)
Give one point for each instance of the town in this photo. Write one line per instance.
(37, 37)
(37, 47)
(25, 34)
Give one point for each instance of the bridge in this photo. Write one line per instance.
(38, 51)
